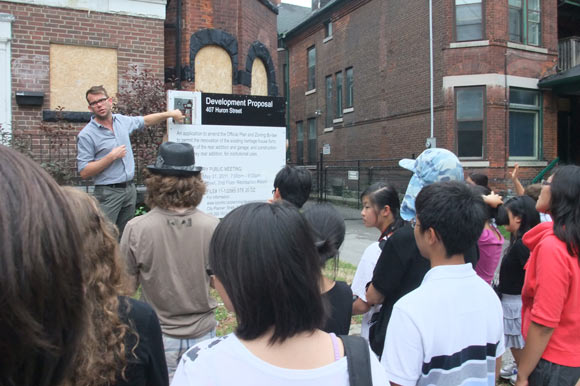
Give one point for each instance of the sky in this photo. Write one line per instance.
(304, 3)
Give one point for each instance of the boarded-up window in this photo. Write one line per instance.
(213, 70)
(259, 78)
(75, 69)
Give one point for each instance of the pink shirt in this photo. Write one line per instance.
(490, 247)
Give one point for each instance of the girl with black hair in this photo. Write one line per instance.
(551, 292)
(329, 229)
(380, 210)
(523, 216)
(267, 270)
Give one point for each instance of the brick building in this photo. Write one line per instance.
(52, 54)
(224, 46)
(358, 79)
(52, 51)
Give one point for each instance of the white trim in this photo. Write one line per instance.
(348, 110)
(154, 9)
(281, 49)
(526, 47)
(527, 163)
(337, 120)
(328, 129)
(474, 164)
(475, 43)
(327, 39)
(309, 92)
(5, 72)
(496, 80)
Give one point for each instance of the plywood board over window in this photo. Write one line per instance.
(75, 69)
(259, 78)
(213, 70)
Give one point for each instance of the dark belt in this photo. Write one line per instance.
(119, 185)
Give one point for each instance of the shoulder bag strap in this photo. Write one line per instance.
(358, 359)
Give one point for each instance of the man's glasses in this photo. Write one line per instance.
(97, 102)
(545, 183)
(413, 222)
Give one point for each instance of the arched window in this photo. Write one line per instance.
(213, 70)
(259, 78)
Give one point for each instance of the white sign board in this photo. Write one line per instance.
(353, 175)
(239, 140)
(326, 149)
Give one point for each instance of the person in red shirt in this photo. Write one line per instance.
(551, 292)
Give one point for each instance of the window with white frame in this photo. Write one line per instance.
(329, 104)
(468, 20)
(312, 146)
(311, 68)
(525, 22)
(469, 115)
(328, 29)
(524, 131)
(299, 143)
(338, 112)
(349, 87)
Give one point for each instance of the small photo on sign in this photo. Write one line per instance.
(187, 109)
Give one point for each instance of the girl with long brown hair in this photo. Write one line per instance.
(41, 291)
(122, 344)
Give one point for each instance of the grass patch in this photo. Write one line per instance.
(504, 233)
(227, 320)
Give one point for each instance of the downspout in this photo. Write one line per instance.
(506, 114)
(286, 82)
(432, 115)
(178, 46)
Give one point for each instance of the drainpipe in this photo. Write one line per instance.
(506, 113)
(431, 64)
(178, 46)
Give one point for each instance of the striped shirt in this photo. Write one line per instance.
(449, 331)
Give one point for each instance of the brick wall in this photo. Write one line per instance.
(137, 40)
(248, 21)
(387, 44)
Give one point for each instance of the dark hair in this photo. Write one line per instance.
(565, 206)
(96, 90)
(455, 213)
(480, 190)
(328, 230)
(294, 184)
(525, 208)
(265, 257)
(42, 313)
(479, 179)
(381, 194)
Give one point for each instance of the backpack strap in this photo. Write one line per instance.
(358, 360)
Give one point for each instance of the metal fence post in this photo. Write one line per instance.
(358, 184)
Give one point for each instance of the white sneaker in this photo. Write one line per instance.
(513, 378)
(508, 371)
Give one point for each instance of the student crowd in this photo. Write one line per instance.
(433, 311)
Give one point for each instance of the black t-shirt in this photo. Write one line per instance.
(340, 300)
(400, 269)
(511, 271)
(148, 366)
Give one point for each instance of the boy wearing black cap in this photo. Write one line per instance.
(166, 251)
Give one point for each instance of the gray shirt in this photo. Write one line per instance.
(167, 253)
(95, 141)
